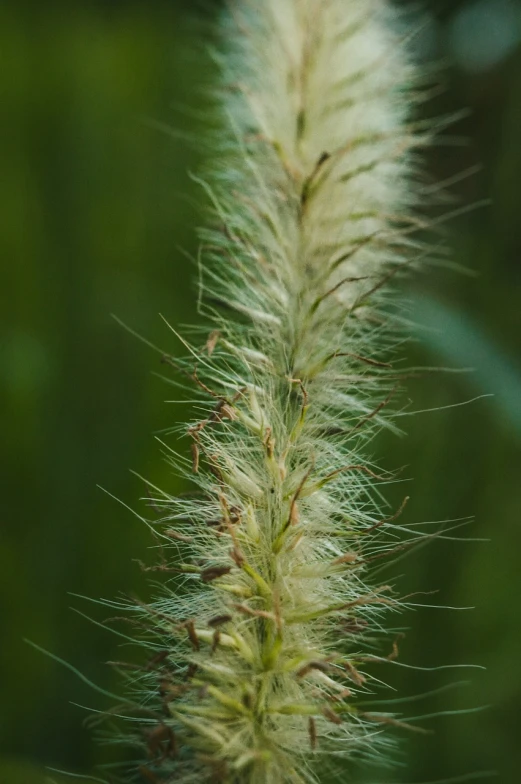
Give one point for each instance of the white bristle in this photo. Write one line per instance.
(267, 633)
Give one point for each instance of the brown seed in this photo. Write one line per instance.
(214, 572)
(219, 620)
(156, 660)
(346, 558)
(235, 514)
(331, 716)
(353, 673)
(195, 458)
(237, 557)
(211, 343)
(191, 671)
(161, 742)
(321, 666)
(228, 412)
(170, 691)
(312, 730)
(215, 641)
(192, 636)
(175, 535)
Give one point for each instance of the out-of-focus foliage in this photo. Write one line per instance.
(95, 204)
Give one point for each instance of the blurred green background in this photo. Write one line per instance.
(97, 209)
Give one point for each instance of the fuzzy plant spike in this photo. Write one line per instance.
(263, 640)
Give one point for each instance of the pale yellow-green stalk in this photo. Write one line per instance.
(260, 646)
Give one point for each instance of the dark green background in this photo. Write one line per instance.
(96, 208)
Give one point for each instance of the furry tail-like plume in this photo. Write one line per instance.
(258, 650)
